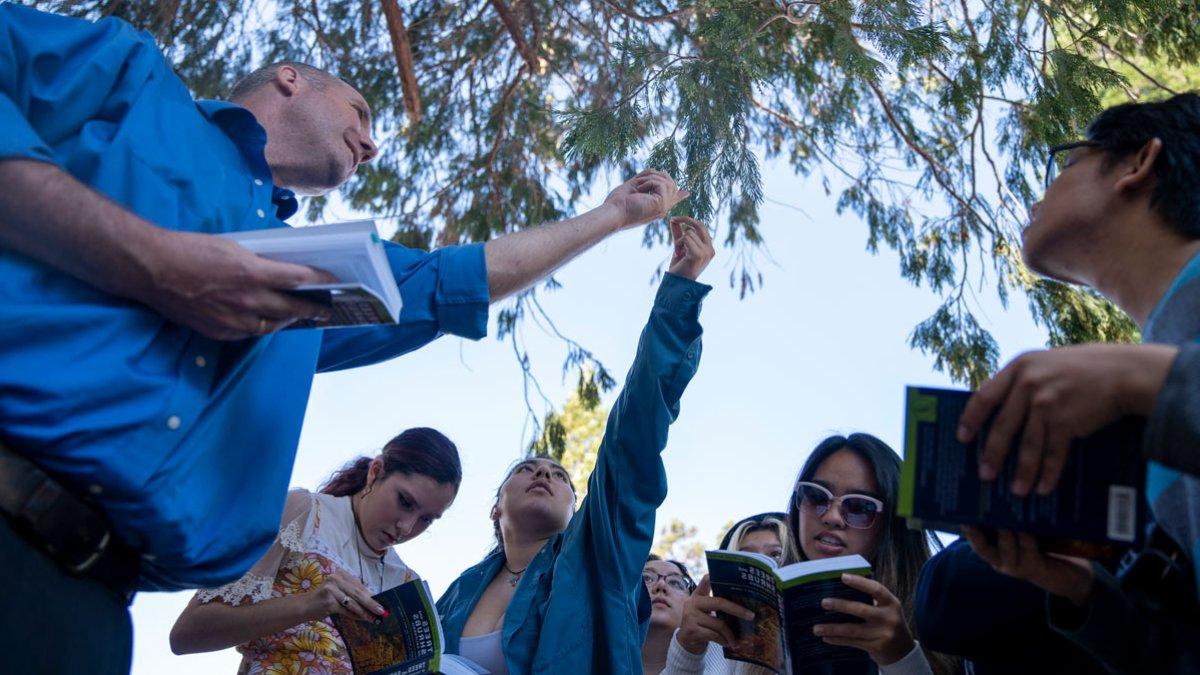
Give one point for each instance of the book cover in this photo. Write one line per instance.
(786, 602)
(407, 641)
(1097, 509)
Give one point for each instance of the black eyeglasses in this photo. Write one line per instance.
(676, 581)
(1057, 160)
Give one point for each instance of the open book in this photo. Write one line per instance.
(365, 292)
(408, 641)
(1096, 510)
(786, 602)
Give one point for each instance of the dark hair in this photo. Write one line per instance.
(421, 451)
(901, 552)
(1124, 129)
(511, 470)
(683, 570)
(257, 79)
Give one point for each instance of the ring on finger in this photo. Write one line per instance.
(345, 601)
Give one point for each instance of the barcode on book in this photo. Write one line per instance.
(1122, 513)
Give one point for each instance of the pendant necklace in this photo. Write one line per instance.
(514, 577)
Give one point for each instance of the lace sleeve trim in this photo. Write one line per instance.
(251, 586)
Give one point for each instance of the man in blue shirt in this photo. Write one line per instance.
(140, 363)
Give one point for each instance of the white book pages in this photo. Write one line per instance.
(841, 563)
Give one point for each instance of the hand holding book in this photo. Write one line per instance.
(1016, 554)
(1042, 401)
(883, 634)
(701, 623)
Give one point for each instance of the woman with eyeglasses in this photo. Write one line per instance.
(843, 503)
(563, 591)
(669, 585)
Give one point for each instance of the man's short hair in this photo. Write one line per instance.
(1123, 130)
(319, 79)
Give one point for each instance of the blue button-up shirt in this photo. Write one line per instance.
(581, 606)
(186, 443)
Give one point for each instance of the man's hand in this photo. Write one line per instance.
(693, 247)
(645, 197)
(217, 287)
(1017, 555)
(1053, 397)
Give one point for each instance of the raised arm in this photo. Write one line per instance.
(519, 260)
(616, 521)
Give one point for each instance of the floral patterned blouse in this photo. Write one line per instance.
(316, 536)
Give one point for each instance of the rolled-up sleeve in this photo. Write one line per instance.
(1173, 430)
(445, 291)
(58, 74)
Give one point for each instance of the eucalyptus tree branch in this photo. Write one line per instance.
(514, 31)
(402, 49)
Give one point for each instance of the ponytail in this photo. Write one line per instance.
(421, 451)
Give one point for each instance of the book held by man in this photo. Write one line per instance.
(786, 602)
(365, 292)
(1096, 510)
(406, 642)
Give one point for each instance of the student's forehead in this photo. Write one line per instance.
(662, 567)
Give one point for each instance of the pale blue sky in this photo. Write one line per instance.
(821, 348)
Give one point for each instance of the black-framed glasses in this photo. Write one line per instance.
(858, 511)
(676, 581)
(1057, 159)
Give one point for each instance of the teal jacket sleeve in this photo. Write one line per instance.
(615, 524)
(1173, 430)
(445, 291)
(63, 78)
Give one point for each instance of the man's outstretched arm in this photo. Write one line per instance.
(521, 259)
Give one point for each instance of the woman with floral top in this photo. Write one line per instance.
(334, 551)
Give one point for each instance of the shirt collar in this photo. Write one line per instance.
(251, 138)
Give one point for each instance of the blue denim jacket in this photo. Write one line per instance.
(581, 606)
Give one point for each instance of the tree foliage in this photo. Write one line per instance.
(928, 120)
(680, 542)
(572, 436)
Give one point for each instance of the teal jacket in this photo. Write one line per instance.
(581, 606)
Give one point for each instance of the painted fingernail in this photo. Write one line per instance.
(386, 613)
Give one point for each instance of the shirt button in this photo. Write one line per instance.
(201, 362)
(691, 353)
(261, 213)
(173, 422)
(687, 295)
(258, 182)
(95, 490)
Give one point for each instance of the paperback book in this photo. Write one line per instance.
(365, 292)
(1096, 510)
(407, 642)
(786, 602)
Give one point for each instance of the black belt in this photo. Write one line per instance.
(69, 529)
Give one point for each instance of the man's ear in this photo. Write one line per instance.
(287, 81)
(1137, 171)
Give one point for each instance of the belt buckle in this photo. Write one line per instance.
(88, 562)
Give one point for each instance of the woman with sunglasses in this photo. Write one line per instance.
(843, 503)
(669, 585)
(563, 592)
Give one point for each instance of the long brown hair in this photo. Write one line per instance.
(420, 450)
(901, 552)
